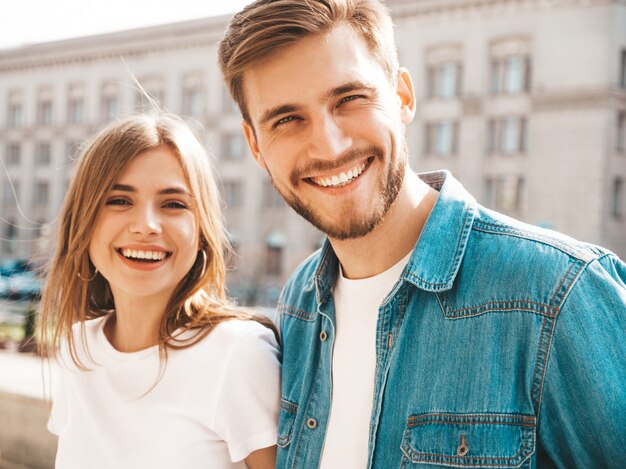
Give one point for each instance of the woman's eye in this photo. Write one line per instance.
(117, 201)
(175, 204)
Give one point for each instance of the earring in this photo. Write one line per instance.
(204, 262)
(87, 279)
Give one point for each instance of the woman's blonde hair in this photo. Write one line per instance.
(75, 291)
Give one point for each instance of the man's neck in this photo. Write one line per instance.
(394, 237)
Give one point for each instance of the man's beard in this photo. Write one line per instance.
(353, 226)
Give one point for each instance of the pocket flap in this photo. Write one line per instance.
(288, 412)
(464, 440)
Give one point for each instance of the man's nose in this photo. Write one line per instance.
(327, 139)
(146, 221)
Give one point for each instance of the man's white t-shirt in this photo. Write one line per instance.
(216, 402)
(353, 368)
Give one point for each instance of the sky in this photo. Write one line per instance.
(33, 21)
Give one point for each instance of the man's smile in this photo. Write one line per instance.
(341, 178)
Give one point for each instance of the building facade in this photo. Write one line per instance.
(524, 100)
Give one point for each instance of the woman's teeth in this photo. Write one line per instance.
(136, 254)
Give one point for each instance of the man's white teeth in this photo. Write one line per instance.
(341, 179)
(148, 255)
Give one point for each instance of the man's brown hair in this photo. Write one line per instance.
(265, 26)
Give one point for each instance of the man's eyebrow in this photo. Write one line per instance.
(349, 87)
(277, 111)
(166, 191)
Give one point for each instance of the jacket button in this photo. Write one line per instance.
(463, 449)
(311, 423)
(323, 336)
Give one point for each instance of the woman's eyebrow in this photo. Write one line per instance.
(166, 191)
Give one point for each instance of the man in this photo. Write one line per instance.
(428, 329)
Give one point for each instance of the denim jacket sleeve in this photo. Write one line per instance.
(583, 407)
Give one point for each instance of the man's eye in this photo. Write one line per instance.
(352, 97)
(284, 120)
(175, 204)
(117, 201)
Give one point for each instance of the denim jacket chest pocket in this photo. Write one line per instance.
(468, 440)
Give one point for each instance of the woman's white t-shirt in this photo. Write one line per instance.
(216, 402)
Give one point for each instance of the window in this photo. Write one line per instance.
(109, 107)
(512, 136)
(271, 197)
(441, 138)
(510, 75)
(444, 80)
(44, 112)
(109, 100)
(505, 192)
(507, 135)
(621, 131)
(14, 115)
(233, 193)
(511, 65)
(75, 110)
(274, 246)
(618, 197)
(274, 258)
(41, 193)
(13, 154)
(234, 146)
(193, 102)
(42, 154)
(622, 80)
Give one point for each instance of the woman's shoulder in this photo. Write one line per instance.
(233, 338)
(237, 333)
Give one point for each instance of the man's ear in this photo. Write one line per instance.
(406, 93)
(248, 132)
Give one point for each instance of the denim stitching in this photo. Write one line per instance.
(288, 406)
(306, 412)
(462, 239)
(297, 313)
(567, 289)
(528, 438)
(563, 280)
(494, 418)
(420, 280)
(544, 367)
(580, 253)
(542, 352)
(503, 306)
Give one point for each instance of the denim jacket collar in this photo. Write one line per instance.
(438, 253)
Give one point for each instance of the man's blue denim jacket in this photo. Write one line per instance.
(501, 345)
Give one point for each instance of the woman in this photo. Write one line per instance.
(158, 370)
